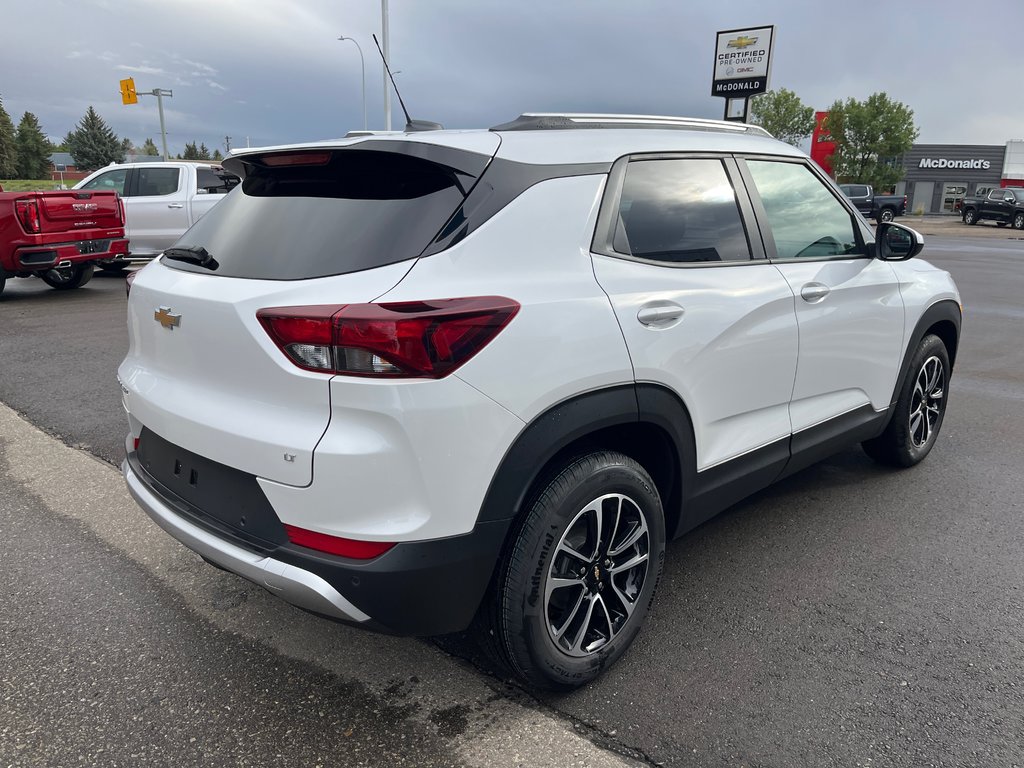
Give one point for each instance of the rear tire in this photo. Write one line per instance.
(1018, 221)
(917, 418)
(970, 217)
(886, 214)
(68, 278)
(582, 569)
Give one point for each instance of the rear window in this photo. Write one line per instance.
(362, 209)
(215, 181)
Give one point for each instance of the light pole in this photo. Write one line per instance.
(362, 62)
(160, 93)
(387, 57)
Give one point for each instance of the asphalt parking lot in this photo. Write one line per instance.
(847, 616)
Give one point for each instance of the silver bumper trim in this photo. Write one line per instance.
(295, 585)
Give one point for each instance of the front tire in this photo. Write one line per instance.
(68, 278)
(584, 564)
(917, 418)
(970, 217)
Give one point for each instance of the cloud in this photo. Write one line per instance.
(215, 85)
(142, 69)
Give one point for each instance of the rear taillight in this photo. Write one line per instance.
(28, 215)
(335, 545)
(120, 209)
(421, 339)
(128, 280)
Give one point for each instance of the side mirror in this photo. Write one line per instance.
(896, 242)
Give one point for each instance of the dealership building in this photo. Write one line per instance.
(936, 177)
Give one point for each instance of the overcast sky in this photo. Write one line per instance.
(272, 71)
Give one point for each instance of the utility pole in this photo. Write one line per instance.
(227, 143)
(160, 93)
(387, 58)
(129, 95)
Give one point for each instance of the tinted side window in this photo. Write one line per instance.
(855, 190)
(805, 219)
(680, 210)
(156, 181)
(215, 182)
(995, 194)
(110, 180)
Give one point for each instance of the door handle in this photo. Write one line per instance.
(660, 315)
(175, 205)
(814, 292)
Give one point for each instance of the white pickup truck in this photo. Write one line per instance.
(161, 200)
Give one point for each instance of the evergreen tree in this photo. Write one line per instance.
(204, 153)
(93, 144)
(127, 146)
(33, 149)
(217, 155)
(8, 146)
(191, 151)
(149, 148)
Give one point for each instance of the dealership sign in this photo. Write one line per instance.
(931, 162)
(742, 62)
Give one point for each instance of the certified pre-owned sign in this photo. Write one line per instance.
(742, 59)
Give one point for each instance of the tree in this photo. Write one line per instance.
(870, 138)
(8, 146)
(204, 153)
(33, 149)
(217, 155)
(149, 148)
(127, 146)
(191, 151)
(93, 144)
(783, 115)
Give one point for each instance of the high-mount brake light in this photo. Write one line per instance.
(28, 215)
(296, 158)
(417, 339)
(335, 545)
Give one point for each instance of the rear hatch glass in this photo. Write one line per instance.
(303, 214)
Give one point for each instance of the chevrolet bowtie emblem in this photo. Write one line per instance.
(742, 42)
(166, 318)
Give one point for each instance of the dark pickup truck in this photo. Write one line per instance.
(58, 236)
(877, 207)
(1003, 206)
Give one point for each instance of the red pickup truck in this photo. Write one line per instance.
(58, 235)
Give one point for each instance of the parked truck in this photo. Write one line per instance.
(59, 236)
(1003, 206)
(162, 200)
(877, 207)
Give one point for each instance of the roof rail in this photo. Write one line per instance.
(535, 121)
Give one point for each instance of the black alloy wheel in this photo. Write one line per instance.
(581, 573)
(919, 411)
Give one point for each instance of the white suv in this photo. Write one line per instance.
(423, 381)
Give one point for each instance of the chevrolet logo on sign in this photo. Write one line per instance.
(742, 42)
(165, 317)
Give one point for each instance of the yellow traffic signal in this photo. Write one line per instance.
(128, 94)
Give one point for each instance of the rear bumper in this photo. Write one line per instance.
(48, 256)
(416, 588)
(295, 585)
